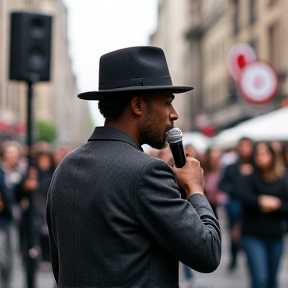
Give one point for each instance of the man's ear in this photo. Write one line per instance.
(137, 105)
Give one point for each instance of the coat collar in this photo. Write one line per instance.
(114, 134)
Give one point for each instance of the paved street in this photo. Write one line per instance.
(44, 278)
(221, 278)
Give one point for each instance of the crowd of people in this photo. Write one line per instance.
(23, 186)
(250, 181)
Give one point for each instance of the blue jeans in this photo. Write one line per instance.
(233, 210)
(263, 257)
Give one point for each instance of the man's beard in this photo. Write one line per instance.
(151, 133)
(153, 136)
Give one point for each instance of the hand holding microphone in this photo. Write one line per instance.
(188, 171)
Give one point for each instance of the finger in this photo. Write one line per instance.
(191, 159)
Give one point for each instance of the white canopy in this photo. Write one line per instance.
(272, 126)
(200, 142)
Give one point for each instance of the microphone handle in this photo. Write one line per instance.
(179, 160)
(178, 154)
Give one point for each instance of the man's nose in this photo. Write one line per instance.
(173, 114)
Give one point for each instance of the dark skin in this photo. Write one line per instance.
(135, 115)
(148, 122)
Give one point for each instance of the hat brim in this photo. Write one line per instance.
(98, 95)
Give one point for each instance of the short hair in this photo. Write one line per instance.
(12, 143)
(113, 106)
(41, 153)
(245, 139)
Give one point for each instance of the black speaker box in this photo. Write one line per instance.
(30, 46)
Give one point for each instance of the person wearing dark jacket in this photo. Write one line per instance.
(115, 214)
(44, 169)
(228, 184)
(264, 196)
(11, 175)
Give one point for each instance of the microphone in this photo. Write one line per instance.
(174, 138)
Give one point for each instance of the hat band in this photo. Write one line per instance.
(149, 81)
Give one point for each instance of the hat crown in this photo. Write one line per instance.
(134, 66)
(133, 70)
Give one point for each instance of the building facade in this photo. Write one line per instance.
(55, 101)
(171, 38)
(210, 29)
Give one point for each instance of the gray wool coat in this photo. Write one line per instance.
(116, 219)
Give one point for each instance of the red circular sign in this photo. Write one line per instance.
(258, 82)
(238, 57)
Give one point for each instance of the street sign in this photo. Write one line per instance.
(238, 57)
(258, 82)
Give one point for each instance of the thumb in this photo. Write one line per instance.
(175, 169)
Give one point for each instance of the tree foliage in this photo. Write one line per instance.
(46, 131)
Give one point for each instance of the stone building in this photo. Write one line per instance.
(54, 101)
(170, 37)
(207, 31)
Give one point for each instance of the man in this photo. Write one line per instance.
(115, 214)
(233, 207)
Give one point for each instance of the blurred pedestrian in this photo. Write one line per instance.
(45, 169)
(11, 175)
(58, 154)
(276, 146)
(212, 170)
(264, 195)
(191, 151)
(228, 184)
(115, 214)
(27, 229)
(165, 154)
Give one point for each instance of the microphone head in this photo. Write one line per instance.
(174, 135)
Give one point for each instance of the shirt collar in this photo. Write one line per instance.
(113, 134)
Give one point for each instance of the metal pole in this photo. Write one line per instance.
(30, 256)
(29, 119)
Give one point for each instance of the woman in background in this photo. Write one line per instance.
(212, 176)
(228, 184)
(264, 195)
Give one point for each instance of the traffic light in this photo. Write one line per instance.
(30, 46)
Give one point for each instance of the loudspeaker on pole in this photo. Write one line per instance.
(30, 46)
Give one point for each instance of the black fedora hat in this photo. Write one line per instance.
(132, 69)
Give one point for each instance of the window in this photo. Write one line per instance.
(274, 45)
(236, 18)
(252, 11)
